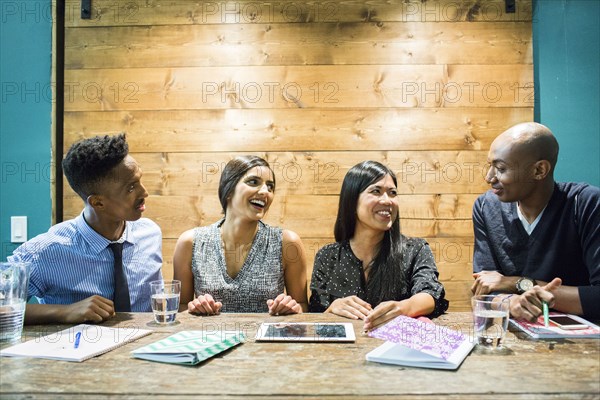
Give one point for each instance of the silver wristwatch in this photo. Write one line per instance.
(524, 284)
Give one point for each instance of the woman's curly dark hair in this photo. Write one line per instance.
(89, 161)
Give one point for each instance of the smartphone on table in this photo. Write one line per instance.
(567, 322)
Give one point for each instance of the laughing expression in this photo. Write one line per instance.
(377, 207)
(253, 194)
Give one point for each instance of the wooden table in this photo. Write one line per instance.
(531, 370)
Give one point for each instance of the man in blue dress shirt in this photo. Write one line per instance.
(73, 265)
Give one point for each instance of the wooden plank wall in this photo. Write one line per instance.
(314, 87)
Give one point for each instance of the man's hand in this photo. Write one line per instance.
(492, 281)
(529, 306)
(93, 309)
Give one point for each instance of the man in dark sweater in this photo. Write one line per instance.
(530, 229)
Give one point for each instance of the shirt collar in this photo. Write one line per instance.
(346, 245)
(98, 242)
(529, 227)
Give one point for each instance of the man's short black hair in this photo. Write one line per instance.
(89, 161)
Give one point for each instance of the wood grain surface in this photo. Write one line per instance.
(527, 370)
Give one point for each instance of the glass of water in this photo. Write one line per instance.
(490, 320)
(165, 301)
(14, 278)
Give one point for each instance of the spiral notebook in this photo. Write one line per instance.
(189, 347)
(415, 343)
(78, 343)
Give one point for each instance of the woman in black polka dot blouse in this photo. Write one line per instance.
(373, 272)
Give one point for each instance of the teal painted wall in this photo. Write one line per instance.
(566, 40)
(25, 116)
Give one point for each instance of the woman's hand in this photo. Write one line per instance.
(350, 307)
(384, 312)
(205, 305)
(283, 305)
(416, 305)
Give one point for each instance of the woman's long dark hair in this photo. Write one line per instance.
(386, 276)
(234, 171)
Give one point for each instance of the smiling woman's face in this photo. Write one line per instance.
(377, 207)
(253, 194)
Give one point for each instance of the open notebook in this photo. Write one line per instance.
(189, 347)
(78, 343)
(415, 343)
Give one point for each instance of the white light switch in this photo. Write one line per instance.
(18, 229)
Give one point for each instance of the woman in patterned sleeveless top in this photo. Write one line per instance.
(241, 264)
(373, 272)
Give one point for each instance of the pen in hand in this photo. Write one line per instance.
(77, 339)
(546, 313)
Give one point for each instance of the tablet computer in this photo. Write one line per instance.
(306, 332)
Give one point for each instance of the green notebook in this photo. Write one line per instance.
(189, 347)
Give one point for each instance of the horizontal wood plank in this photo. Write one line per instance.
(157, 12)
(318, 173)
(416, 207)
(298, 44)
(322, 87)
(453, 256)
(459, 295)
(452, 259)
(301, 214)
(251, 130)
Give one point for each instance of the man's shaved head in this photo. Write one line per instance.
(531, 140)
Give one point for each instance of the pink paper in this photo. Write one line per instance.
(418, 335)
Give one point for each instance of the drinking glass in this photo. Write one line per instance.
(490, 320)
(165, 301)
(14, 278)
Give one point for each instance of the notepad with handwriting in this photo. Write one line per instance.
(94, 340)
(415, 343)
(189, 347)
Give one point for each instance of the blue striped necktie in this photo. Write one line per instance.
(121, 296)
